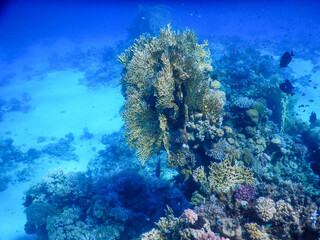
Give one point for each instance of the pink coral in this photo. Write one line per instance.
(190, 216)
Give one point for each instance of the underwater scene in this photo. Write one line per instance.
(150, 120)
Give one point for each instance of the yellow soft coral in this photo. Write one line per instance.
(223, 176)
(163, 81)
(227, 174)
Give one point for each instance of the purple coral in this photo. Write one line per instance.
(210, 236)
(244, 193)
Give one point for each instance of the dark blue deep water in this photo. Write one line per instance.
(159, 120)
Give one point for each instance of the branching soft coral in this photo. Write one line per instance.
(223, 176)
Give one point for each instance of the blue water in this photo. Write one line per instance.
(66, 170)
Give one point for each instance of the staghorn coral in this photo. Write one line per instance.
(164, 80)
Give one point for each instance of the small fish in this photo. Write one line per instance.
(315, 87)
(234, 51)
(228, 61)
(313, 117)
(158, 168)
(233, 85)
(286, 59)
(258, 74)
(311, 100)
(286, 87)
(268, 225)
(303, 94)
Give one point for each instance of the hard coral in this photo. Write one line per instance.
(210, 236)
(244, 193)
(164, 80)
(256, 232)
(265, 208)
(190, 216)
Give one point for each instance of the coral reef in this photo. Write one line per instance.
(15, 164)
(63, 149)
(74, 206)
(230, 158)
(99, 65)
(239, 154)
(171, 227)
(15, 105)
(285, 208)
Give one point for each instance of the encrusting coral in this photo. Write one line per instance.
(164, 81)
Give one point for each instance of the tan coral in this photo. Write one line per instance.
(215, 84)
(265, 208)
(223, 176)
(154, 234)
(256, 232)
(227, 174)
(190, 216)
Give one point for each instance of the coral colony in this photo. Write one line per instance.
(243, 177)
